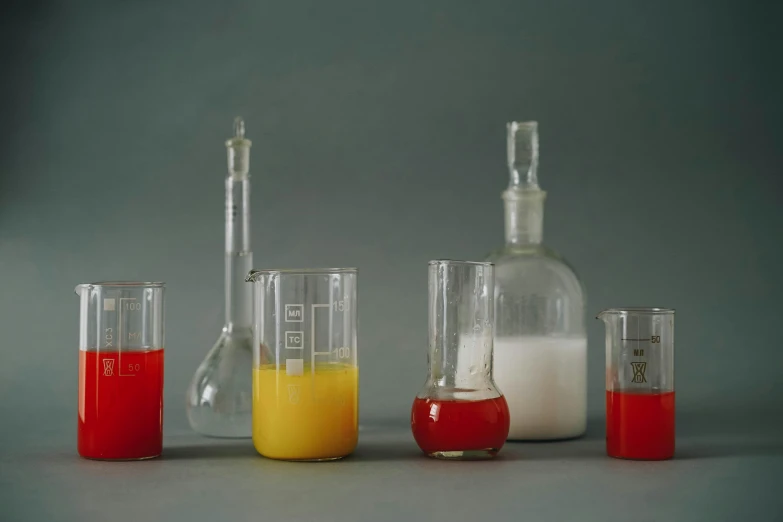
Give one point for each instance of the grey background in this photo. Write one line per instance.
(379, 142)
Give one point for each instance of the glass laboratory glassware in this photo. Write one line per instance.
(540, 338)
(639, 383)
(121, 337)
(305, 368)
(219, 398)
(460, 413)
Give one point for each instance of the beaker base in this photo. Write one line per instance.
(481, 454)
(314, 459)
(126, 459)
(650, 459)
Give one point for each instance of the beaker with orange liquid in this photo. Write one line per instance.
(305, 369)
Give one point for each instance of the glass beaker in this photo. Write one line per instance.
(639, 383)
(305, 369)
(121, 336)
(460, 413)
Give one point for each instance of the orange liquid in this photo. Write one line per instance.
(455, 425)
(312, 416)
(640, 426)
(120, 404)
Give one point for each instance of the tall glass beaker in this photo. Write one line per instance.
(305, 366)
(639, 382)
(121, 338)
(460, 413)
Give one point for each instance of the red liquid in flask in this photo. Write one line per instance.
(640, 425)
(452, 426)
(120, 404)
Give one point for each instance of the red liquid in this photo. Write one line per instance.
(120, 404)
(640, 425)
(460, 425)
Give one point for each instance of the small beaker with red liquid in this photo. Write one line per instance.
(460, 413)
(639, 383)
(121, 336)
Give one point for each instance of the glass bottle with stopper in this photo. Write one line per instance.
(540, 341)
(219, 399)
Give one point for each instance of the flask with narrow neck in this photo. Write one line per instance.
(540, 340)
(459, 413)
(219, 399)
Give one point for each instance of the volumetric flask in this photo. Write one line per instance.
(121, 337)
(460, 413)
(639, 383)
(305, 371)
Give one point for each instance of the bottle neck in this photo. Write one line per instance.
(239, 258)
(524, 210)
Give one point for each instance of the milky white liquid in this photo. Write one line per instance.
(544, 380)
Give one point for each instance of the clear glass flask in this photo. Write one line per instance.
(121, 338)
(219, 398)
(540, 339)
(460, 413)
(305, 366)
(639, 383)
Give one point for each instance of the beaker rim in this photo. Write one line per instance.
(639, 310)
(460, 262)
(135, 284)
(300, 271)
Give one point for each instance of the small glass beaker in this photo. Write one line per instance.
(305, 370)
(639, 383)
(121, 336)
(460, 413)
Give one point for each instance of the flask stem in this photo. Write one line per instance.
(239, 257)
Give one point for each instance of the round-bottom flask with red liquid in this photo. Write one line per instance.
(458, 428)
(460, 413)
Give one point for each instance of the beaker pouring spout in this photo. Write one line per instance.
(604, 315)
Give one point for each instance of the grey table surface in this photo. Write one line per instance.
(728, 467)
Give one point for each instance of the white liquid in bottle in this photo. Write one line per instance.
(544, 380)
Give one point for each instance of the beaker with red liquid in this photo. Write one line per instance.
(460, 413)
(121, 336)
(639, 383)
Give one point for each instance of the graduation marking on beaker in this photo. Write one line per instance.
(130, 305)
(313, 351)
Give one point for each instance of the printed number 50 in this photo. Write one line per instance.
(134, 367)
